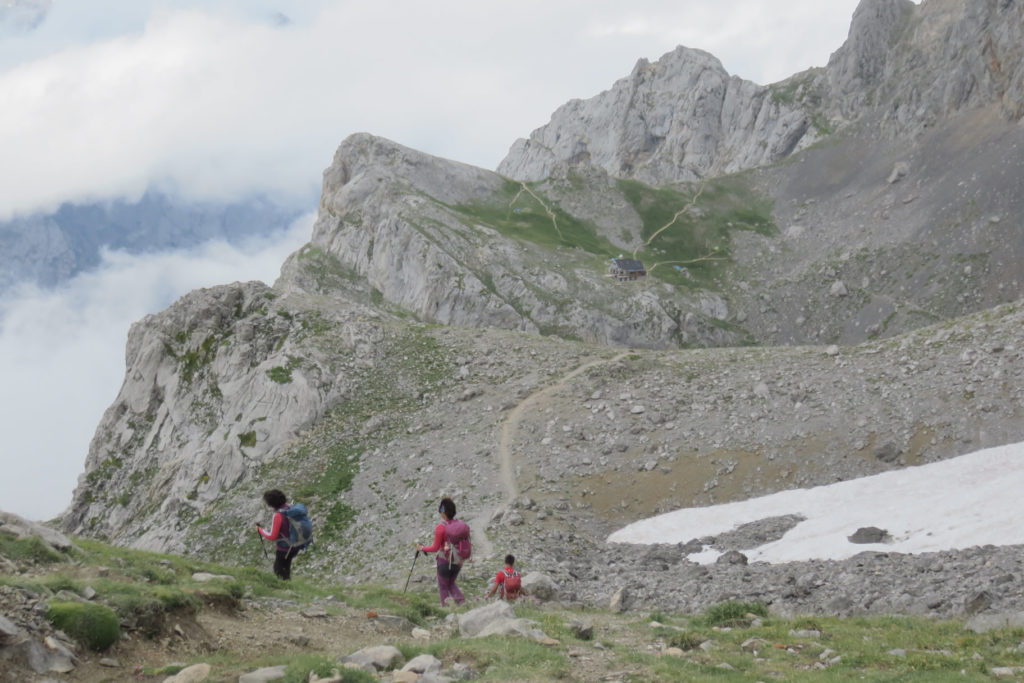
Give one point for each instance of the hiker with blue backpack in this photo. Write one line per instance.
(452, 545)
(292, 531)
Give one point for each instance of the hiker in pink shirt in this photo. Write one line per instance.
(449, 561)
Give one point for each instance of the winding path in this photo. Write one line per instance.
(508, 431)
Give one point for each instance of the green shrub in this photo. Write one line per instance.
(732, 613)
(94, 626)
(685, 641)
(280, 375)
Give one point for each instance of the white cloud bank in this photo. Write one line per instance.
(62, 355)
(967, 501)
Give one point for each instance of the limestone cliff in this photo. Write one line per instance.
(214, 387)
(458, 245)
(904, 67)
(680, 118)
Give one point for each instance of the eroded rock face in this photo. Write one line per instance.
(411, 226)
(678, 119)
(918, 64)
(214, 386)
(682, 118)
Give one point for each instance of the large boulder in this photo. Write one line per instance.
(11, 523)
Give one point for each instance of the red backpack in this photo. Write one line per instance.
(512, 585)
(456, 535)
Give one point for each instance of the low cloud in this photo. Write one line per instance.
(62, 354)
(217, 102)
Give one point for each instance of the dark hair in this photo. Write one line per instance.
(510, 560)
(274, 498)
(447, 506)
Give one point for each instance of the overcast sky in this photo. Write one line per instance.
(219, 99)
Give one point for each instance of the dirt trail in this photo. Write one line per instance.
(551, 214)
(680, 212)
(508, 431)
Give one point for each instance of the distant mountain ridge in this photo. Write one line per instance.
(47, 249)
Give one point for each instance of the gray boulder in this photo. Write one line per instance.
(20, 527)
(983, 623)
(263, 675)
(473, 622)
(541, 586)
(378, 657)
(869, 534)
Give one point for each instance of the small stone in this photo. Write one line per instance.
(264, 675)
(805, 633)
(191, 674)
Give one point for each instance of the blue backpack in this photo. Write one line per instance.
(300, 526)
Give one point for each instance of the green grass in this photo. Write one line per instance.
(300, 666)
(699, 240)
(279, 374)
(732, 614)
(505, 659)
(95, 626)
(30, 550)
(325, 268)
(536, 219)
(416, 607)
(150, 591)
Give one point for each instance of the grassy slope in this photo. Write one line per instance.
(729, 642)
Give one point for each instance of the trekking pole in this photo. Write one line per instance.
(264, 545)
(414, 558)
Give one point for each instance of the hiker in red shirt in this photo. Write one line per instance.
(509, 581)
(279, 532)
(448, 561)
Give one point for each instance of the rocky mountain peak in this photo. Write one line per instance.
(680, 118)
(905, 67)
(362, 160)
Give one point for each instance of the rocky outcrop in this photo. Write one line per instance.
(438, 239)
(214, 387)
(915, 65)
(904, 67)
(680, 118)
(22, 528)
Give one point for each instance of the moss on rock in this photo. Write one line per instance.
(94, 626)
